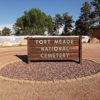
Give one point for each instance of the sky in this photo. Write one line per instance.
(10, 10)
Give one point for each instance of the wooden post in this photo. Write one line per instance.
(28, 59)
(80, 49)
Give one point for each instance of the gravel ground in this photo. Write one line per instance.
(79, 90)
(50, 71)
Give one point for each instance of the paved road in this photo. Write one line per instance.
(79, 90)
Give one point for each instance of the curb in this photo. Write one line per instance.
(48, 82)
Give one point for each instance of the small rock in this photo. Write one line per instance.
(23, 43)
(94, 40)
(7, 44)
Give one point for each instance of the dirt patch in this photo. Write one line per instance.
(49, 71)
(79, 90)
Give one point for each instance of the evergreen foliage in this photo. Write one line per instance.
(6, 31)
(95, 14)
(83, 24)
(36, 22)
(33, 22)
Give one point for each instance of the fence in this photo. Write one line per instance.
(17, 39)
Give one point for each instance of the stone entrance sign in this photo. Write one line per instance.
(54, 48)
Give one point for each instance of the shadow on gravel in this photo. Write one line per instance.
(24, 59)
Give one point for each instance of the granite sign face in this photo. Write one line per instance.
(54, 48)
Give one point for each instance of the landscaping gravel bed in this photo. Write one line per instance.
(49, 71)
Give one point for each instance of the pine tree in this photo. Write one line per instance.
(57, 22)
(96, 13)
(6, 31)
(84, 22)
(33, 22)
(67, 21)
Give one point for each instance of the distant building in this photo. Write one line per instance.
(96, 31)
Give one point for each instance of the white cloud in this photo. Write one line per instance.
(6, 25)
